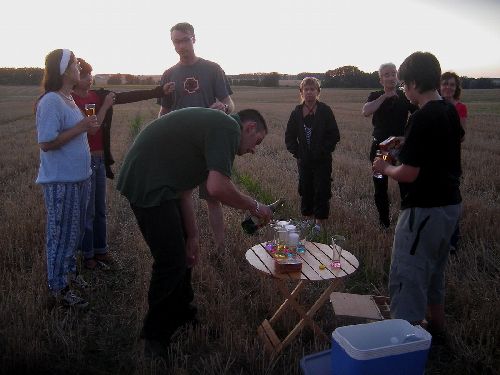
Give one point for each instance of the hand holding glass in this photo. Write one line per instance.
(379, 155)
(90, 109)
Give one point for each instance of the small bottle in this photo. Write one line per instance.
(251, 223)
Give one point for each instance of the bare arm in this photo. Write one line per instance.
(163, 111)
(221, 188)
(67, 135)
(191, 228)
(400, 173)
(224, 105)
(371, 107)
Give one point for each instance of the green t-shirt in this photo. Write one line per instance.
(175, 153)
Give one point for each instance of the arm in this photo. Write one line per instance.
(138, 95)
(400, 173)
(370, 107)
(225, 105)
(291, 136)
(191, 228)
(222, 189)
(332, 134)
(67, 135)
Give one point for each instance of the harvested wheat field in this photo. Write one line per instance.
(36, 336)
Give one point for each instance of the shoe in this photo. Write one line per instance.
(453, 250)
(70, 299)
(78, 281)
(106, 258)
(155, 348)
(93, 264)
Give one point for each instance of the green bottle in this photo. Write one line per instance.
(251, 223)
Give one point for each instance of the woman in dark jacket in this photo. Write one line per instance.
(311, 136)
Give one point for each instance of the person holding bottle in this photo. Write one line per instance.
(64, 172)
(311, 136)
(169, 158)
(430, 201)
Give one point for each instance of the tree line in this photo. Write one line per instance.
(343, 77)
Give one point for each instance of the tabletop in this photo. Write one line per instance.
(316, 255)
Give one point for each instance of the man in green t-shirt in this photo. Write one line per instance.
(169, 158)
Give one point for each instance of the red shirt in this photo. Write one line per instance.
(96, 140)
(461, 109)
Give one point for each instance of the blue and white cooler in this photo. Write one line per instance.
(387, 347)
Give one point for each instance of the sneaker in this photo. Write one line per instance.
(78, 282)
(70, 299)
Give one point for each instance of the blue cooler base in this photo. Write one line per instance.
(408, 363)
(317, 364)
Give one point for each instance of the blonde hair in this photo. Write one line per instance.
(310, 81)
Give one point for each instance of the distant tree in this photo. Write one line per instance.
(270, 79)
(21, 76)
(350, 76)
(115, 79)
(148, 81)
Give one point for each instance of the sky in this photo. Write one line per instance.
(285, 36)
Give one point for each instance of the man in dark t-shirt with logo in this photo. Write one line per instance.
(197, 83)
(390, 110)
(168, 159)
(430, 196)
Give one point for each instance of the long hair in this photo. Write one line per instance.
(52, 78)
(458, 88)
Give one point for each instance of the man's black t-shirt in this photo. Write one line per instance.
(390, 118)
(432, 143)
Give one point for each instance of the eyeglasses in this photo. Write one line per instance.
(402, 85)
(187, 39)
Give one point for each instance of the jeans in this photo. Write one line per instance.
(94, 239)
(170, 291)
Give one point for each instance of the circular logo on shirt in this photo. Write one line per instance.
(191, 85)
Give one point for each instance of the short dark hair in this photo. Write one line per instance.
(85, 67)
(423, 69)
(183, 27)
(255, 116)
(458, 89)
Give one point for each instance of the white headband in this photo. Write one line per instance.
(63, 65)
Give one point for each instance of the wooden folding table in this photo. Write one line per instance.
(315, 268)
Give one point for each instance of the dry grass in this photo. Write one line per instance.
(38, 337)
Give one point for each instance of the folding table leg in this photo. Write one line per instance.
(287, 301)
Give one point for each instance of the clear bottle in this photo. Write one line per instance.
(251, 223)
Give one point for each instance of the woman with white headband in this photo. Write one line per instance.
(64, 172)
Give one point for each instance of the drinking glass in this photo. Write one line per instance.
(90, 109)
(378, 155)
(338, 242)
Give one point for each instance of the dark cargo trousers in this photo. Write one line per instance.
(170, 290)
(315, 188)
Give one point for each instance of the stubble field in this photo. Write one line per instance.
(38, 337)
